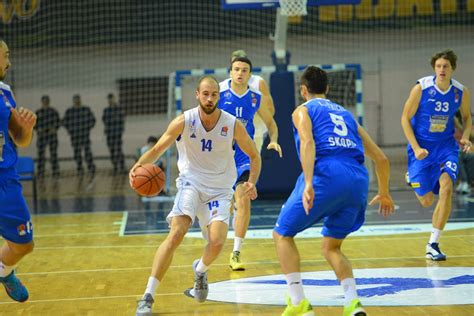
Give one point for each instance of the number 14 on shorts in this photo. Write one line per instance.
(213, 204)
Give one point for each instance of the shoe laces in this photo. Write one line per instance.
(236, 256)
(435, 246)
(201, 283)
(146, 301)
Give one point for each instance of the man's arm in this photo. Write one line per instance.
(92, 118)
(304, 126)
(382, 170)
(175, 128)
(267, 118)
(65, 120)
(268, 97)
(466, 121)
(248, 147)
(411, 106)
(57, 120)
(20, 126)
(105, 118)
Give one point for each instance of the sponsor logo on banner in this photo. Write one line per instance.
(411, 286)
(23, 9)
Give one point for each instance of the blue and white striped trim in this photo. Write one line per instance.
(269, 69)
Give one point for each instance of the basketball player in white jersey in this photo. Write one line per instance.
(204, 137)
(258, 83)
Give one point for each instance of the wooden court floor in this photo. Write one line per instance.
(81, 266)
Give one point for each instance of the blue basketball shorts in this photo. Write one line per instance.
(341, 190)
(242, 163)
(15, 220)
(442, 157)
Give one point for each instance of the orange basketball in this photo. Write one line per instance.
(149, 180)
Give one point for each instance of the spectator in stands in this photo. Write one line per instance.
(47, 126)
(79, 120)
(466, 160)
(114, 122)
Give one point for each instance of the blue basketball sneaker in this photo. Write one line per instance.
(14, 288)
(434, 253)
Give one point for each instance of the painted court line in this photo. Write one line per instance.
(87, 298)
(123, 225)
(79, 225)
(268, 262)
(76, 234)
(248, 242)
(88, 214)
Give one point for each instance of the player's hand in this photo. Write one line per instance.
(24, 117)
(466, 145)
(386, 205)
(275, 147)
(250, 190)
(308, 198)
(421, 153)
(131, 174)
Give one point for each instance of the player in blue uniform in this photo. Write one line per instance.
(16, 128)
(242, 101)
(258, 83)
(428, 124)
(332, 188)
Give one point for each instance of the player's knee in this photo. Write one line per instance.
(276, 236)
(216, 245)
(175, 238)
(446, 187)
(427, 200)
(327, 249)
(23, 249)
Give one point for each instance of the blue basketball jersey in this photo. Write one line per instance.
(434, 119)
(243, 107)
(334, 131)
(8, 154)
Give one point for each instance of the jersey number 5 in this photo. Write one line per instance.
(340, 127)
(206, 144)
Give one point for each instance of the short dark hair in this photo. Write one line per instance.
(243, 60)
(315, 79)
(207, 77)
(110, 96)
(447, 54)
(45, 97)
(152, 139)
(76, 96)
